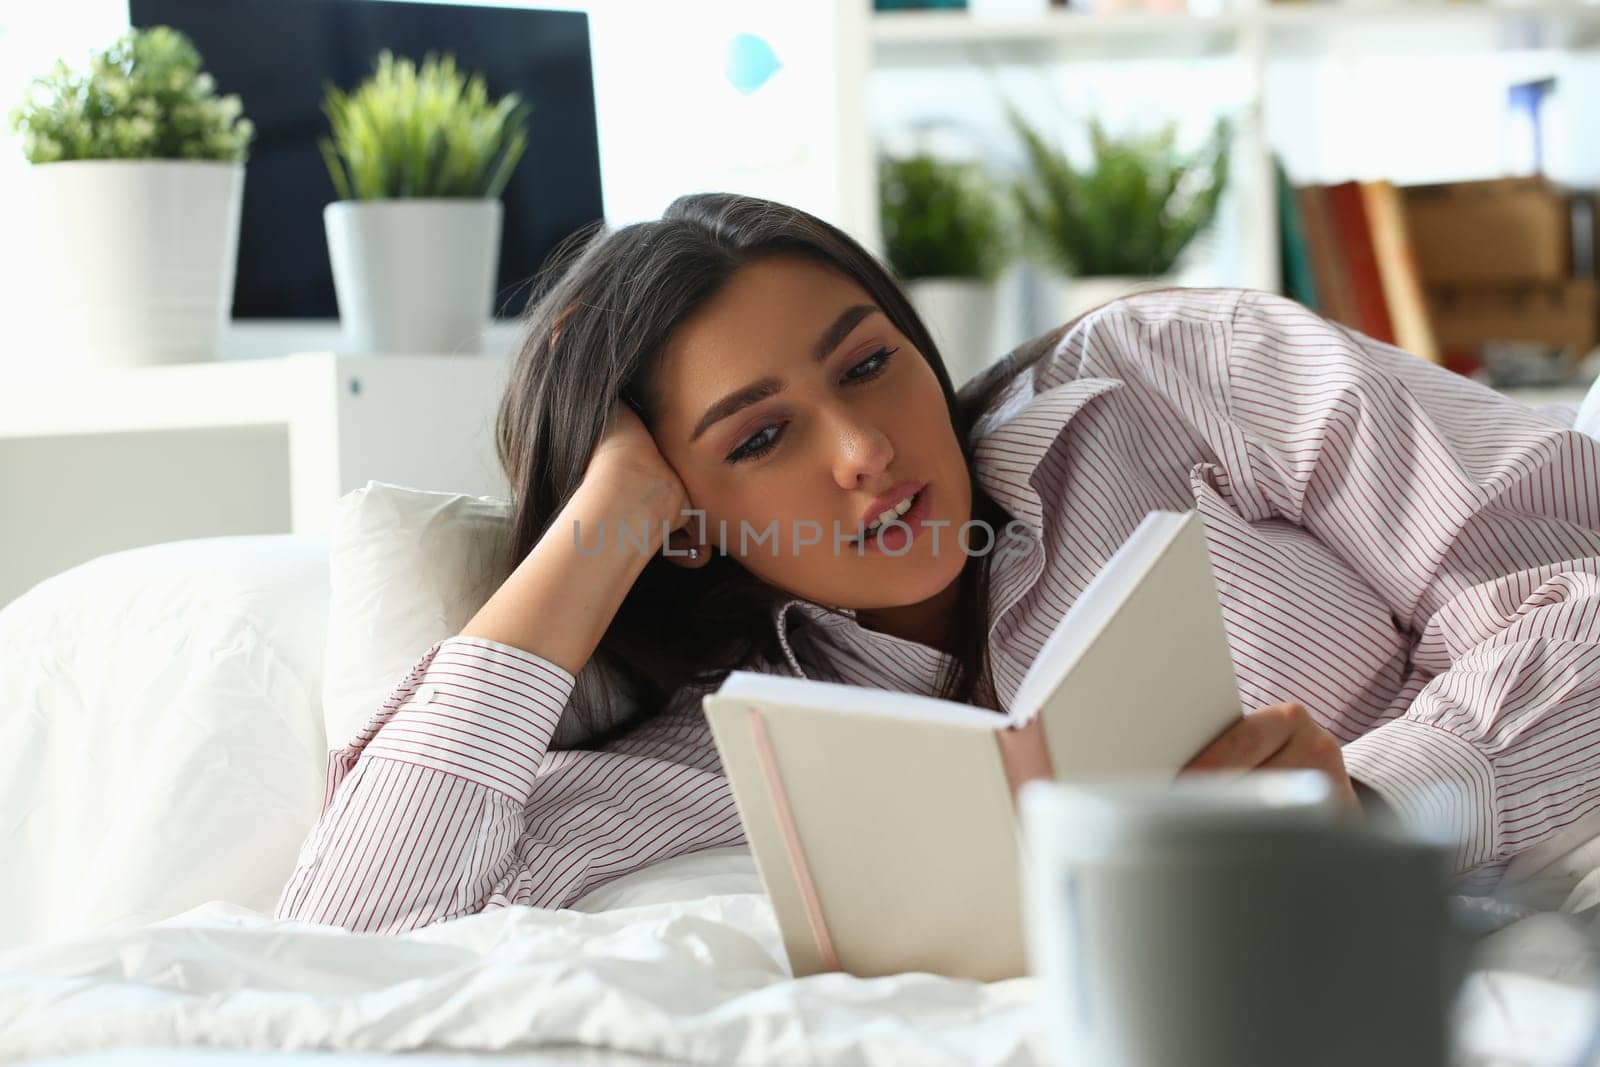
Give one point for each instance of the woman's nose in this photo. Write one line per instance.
(862, 453)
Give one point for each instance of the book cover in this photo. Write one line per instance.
(1327, 261)
(1299, 279)
(1397, 270)
(885, 824)
(1354, 237)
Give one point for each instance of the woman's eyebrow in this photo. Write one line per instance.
(848, 319)
(831, 338)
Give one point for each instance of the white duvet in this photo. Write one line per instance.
(681, 961)
(161, 753)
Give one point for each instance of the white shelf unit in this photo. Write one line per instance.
(1312, 26)
(97, 461)
(1254, 33)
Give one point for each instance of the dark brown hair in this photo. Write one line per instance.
(608, 302)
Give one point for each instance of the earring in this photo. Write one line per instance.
(694, 553)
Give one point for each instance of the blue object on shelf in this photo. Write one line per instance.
(919, 5)
(1523, 101)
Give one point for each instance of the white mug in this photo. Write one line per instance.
(1233, 920)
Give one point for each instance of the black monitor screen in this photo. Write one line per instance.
(277, 55)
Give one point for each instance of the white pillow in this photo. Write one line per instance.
(692, 876)
(161, 733)
(407, 569)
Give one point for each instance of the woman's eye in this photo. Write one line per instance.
(767, 439)
(757, 445)
(872, 366)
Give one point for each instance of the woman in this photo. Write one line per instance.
(1408, 563)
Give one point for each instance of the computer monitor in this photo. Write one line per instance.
(277, 56)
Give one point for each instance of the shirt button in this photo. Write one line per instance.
(424, 694)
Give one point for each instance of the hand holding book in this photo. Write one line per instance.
(1281, 737)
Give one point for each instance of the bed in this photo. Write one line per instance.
(162, 746)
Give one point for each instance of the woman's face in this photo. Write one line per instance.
(790, 403)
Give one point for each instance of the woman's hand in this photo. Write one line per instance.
(628, 460)
(1280, 737)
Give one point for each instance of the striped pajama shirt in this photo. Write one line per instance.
(1412, 556)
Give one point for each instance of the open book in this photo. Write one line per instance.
(885, 825)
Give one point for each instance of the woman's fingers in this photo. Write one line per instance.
(1279, 737)
(1313, 748)
(1252, 740)
(1316, 749)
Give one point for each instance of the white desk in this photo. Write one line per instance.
(94, 462)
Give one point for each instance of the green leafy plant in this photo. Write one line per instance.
(1132, 211)
(941, 219)
(422, 132)
(144, 97)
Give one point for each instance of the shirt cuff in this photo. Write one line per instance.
(1435, 783)
(479, 710)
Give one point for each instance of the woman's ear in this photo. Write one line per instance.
(684, 549)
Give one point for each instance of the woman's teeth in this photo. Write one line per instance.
(891, 513)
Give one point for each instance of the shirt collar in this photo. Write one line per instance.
(828, 618)
(1017, 433)
(1013, 439)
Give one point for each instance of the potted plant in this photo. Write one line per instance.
(134, 198)
(419, 158)
(945, 235)
(1120, 225)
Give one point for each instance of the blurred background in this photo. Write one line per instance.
(1418, 170)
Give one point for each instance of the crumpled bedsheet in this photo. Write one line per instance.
(701, 980)
(682, 961)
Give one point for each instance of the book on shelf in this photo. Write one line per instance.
(1365, 264)
(1327, 261)
(885, 825)
(1299, 277)
(1397, 270)
(1352, 232)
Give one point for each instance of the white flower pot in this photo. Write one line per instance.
(414, 275)
(960, 313)
(1078, 295)
(133, 260)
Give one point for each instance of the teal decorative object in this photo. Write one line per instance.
(751, 62)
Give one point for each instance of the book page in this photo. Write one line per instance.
(1156, 683)
(1089, 613)
(861, 699)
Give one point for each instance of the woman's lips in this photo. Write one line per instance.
(890, 500)
(892, 537)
